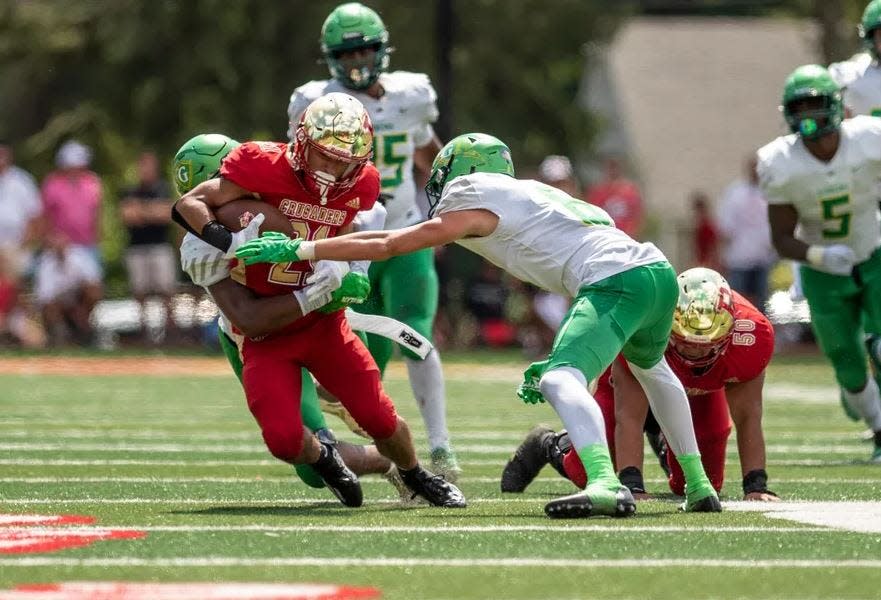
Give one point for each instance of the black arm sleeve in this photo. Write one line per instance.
(213, 233)
(179, 219)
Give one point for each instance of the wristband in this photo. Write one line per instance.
(631, 478)
(814, 255)
(756, 481)
(308, 305)
(217, 235)
(306, 250)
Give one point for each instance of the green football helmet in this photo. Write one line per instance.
(812, 81)
(463, 155)
(869, 23)
(350, 27)
(199, 160)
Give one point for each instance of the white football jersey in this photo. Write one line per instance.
(545, 237)
(206, 266)
(837, 202)
(402, 119)
(860, 77)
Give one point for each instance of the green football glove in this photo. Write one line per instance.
(271, 247)
(528, 391)
(354, 289)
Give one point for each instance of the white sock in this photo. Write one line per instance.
(867, 403)
(427, 381)
(669, 404)
(565, 389)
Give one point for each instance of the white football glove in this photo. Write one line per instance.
(250, 232)
(325, 278)
(837, 259)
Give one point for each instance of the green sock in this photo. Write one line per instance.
(598, 465)
(695, 476)
(313, 418)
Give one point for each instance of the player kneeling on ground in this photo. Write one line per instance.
(719, 348)
(319, 182)
(624, 291)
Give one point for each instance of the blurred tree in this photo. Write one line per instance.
(123, 75)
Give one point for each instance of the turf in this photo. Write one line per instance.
(182, 460)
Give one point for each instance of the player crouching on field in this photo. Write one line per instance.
(719, 348)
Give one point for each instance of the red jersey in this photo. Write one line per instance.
(263, 168)
(749, 352)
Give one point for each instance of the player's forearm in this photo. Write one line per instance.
(251, 315)
(750, 443)
(195, 212)
(365, 245)
(787, 246)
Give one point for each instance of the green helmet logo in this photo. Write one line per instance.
(199, 160)
(463, 155)
(352, 27)
(868, 24)
(805, 83)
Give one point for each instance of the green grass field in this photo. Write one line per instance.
(182, 460)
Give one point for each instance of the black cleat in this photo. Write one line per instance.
(338, 477)
(529, 458)
(707, 504)
(434, 488)
(592, 502)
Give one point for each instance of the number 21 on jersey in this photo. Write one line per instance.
(283, 273)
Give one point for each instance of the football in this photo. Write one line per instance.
(237, 214)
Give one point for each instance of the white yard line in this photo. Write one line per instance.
(420, 529)
(365, 480)
(468, 563)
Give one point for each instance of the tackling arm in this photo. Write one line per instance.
(382, 245)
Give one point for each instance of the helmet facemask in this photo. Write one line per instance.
(359, 67)
(703, 322)
(814, 116)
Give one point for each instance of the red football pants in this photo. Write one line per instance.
(338, 360)
(712, 426)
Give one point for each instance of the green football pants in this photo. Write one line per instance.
(842, 308)
(403, 288)
(630, 313)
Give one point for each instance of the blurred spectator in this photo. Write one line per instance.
(747, 253)
(557, 171)
(72, 199)
(706, 236)
(16, 326)
(20, 210)
(68, 285)
(619, 197)
(149, 259)
(485, 298)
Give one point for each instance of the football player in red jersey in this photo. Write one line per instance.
(719, 348)
(319, 181)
